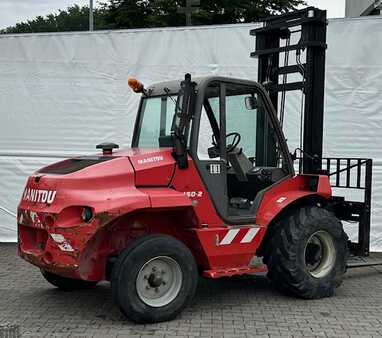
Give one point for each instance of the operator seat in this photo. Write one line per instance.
(245, 180)
(240, 164)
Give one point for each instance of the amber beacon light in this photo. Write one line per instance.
(135, 85)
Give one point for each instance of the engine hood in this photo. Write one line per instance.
(97, 180)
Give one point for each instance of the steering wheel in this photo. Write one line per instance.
(235, 141)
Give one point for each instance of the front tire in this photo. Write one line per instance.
(307, 253)
(65, 283)
(154, 279)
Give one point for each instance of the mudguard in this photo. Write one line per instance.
(277, 198)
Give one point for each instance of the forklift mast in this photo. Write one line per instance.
(302, 34)
(307, 30)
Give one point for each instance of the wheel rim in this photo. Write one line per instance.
(159, 281)
(320, 254)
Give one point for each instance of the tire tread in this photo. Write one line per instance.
(281, 253)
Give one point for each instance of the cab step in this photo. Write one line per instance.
(218, 273)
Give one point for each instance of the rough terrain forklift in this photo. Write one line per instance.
(207, 188)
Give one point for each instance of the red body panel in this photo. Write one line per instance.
(230, 247)
(190, 182)
(140, 192)
(153, 168)
(279, 197)
(166, 198)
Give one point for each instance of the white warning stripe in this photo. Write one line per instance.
(229, 236)
(250, 235)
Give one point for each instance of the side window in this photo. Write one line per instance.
(268, 151)
(205, 129)
(247, 115)
(242, 120)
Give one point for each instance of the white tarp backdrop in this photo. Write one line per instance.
(61, 94)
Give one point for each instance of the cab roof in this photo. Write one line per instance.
(172, 87)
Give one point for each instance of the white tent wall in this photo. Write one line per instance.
(61, 94)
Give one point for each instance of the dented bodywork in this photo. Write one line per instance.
(52, 233)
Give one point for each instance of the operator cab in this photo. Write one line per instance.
(235, 133)
(230, 130)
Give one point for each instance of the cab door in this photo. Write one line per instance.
(209, 146)
(236, 171)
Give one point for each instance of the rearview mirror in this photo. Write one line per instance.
(250, 102)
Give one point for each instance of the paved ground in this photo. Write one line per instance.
(245, 307)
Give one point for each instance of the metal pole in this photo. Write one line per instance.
(189, 10)
(188, 14)
(91, 17)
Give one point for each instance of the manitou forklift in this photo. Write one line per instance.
(207, 188)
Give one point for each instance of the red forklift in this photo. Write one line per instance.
(208, 187)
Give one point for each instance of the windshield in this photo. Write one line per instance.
(155, 120)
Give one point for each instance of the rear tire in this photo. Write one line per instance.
(65, 283)
(307, 253)
(154, 279)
